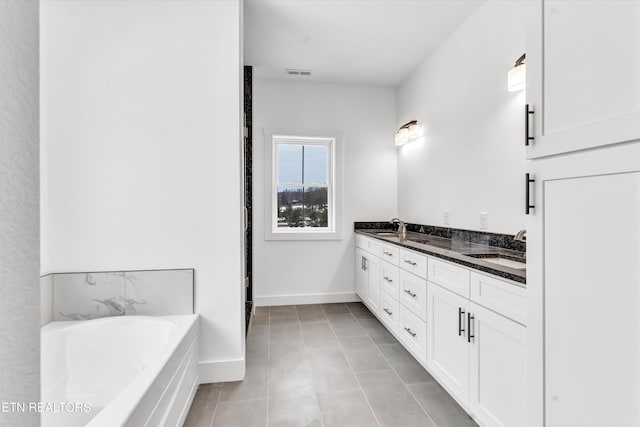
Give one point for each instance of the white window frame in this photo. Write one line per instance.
(334, 177)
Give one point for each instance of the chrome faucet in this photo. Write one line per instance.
(402, 228)
(521, 236)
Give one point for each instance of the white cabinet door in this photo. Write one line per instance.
(497, 395)
(447, 347)
(362, 277)
(583, 285)
(583, 63)
(374, 272)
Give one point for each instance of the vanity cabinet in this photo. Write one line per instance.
(497, 369)
(393, 291)
(583, 63)
(368, 279)
(448, 349)
(479, 356)
(362, 274)
(466, 328)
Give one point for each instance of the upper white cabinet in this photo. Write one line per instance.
(583, 63)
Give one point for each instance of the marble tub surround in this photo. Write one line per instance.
(92, 295)
(468, 253)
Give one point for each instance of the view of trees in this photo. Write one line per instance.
(303, 208)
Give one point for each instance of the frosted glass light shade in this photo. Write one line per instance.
(517, 78)
(402, 137)
(415, 131)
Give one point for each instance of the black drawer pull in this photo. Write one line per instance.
(386, 310)
(410, 262)
(386, 279)
(469, 323)
(460, 321)
(527, 192)
(527, 112)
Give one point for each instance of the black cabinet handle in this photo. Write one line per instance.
(469, 322)
(364, 266)
(527, 192)
(527, 112)
(460, 321)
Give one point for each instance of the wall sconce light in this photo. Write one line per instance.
(517, 77)
(408, 132)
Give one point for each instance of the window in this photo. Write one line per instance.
(303, 191)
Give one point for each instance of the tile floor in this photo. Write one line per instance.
(325, 365)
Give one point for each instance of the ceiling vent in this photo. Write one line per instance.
(298, 72)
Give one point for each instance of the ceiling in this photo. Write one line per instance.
(374, 42)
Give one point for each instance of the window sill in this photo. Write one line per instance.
(314, 235)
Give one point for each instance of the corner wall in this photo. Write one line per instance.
(300, 272)
(141, 150)
(471, 158)
(19, 216)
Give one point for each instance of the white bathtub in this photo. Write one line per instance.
(132, 370)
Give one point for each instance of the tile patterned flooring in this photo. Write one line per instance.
(325, 365)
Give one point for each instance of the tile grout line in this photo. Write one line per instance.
(420, 404)
(268, 325)
(306, 355)
(398, 375)
(366, 399)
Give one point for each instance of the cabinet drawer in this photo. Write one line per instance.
(391, 254)
(370, 245)
(374, 247)
(361, 241)
(414, 263)
(390, 312)
(390, 282)
(413, 294)
(501, 297)
(413, 333)
(449, 276)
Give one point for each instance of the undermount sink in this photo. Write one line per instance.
(387, 234)
(419, 239)
(499, 260)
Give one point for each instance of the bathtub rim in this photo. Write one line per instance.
(124, 404)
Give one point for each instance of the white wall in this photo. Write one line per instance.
(315, 271)
(141, 151)
(471, 159)
(19, 241)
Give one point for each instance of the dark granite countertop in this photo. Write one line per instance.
(466, 253)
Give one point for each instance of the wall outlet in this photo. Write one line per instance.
(484, 221)
(446, 217)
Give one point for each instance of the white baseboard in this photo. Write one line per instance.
(270, 300)
(217, 371)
